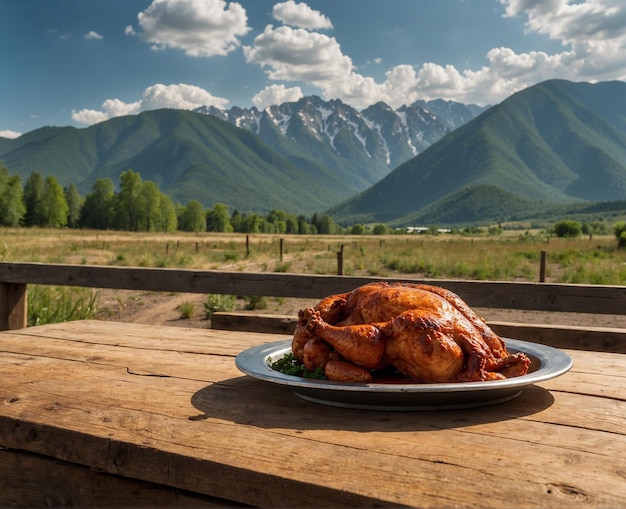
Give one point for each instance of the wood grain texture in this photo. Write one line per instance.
(168, 406)
(54, 483)
(273, 324)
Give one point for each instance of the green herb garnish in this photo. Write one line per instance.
(289, 365)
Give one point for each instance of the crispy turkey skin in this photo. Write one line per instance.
(427, 333)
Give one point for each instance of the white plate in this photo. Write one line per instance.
(546, 363)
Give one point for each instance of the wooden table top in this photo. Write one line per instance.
(167, 405)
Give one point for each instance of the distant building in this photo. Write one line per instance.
(424, 229)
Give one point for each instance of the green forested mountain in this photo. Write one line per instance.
(189, 155)
(554, 143)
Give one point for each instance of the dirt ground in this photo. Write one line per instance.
(162, 308)
(165, 309)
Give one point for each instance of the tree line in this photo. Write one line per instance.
(138, 205)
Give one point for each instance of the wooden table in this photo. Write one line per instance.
(110, 414)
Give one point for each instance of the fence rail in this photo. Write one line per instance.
(576, 298)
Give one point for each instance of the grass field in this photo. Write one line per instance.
(508, 257)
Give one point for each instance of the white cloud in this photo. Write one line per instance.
(276, 94)
(9, 134)
(93, 35)
(507, 73)
(571, 22)
(89, 116)
(60, 35)
(591, 31)
(129, 30)
(300, 15)
(201, 28)
(295, 54)
(181, 96)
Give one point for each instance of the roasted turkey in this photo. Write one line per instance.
(426, 333)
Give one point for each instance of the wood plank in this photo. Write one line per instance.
(54, 483)
(13, 306)
(269, 323)
(90, 334)
(600, 339)
(602, 299)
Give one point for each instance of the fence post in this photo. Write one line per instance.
(340, 261)
(542, 268)
(282, 245)
(13, 306)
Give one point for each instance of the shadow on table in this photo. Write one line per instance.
(245, 400)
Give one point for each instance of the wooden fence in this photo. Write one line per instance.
(593, 299)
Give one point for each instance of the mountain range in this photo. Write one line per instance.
(299, 157)
(362, 146)
(553, 144)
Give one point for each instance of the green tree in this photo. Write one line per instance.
(381, 229)
(276, 215)
(12, 207)
(357, 229)
(620, 233)
(149, 210)
(326, 225)
(33, 194)
(567, 229)
(236, 221)
(97, 209)
(54, 208)
(303, 225)
(127, 202)
(251, 224)
(168, 221)
(193, 218)
(74, 202)
(218, 219)
(279, 226)
(265, 227)
(291, 225)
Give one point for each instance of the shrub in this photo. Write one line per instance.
(381, 229)
(185, 309)
(218, 302)
(357, 229)
(567, 229)
(56, 304)
(255, 302)
(620, 233)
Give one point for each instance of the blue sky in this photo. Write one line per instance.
(79, 62)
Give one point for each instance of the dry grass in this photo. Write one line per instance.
(506, 257)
